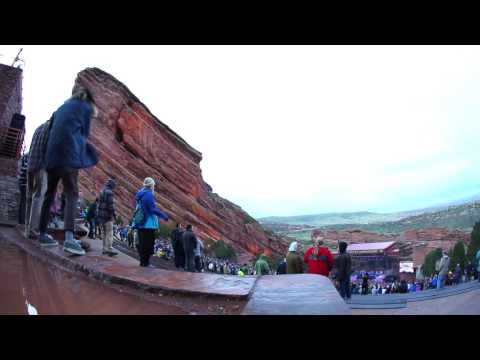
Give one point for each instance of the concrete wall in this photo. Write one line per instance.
(10, 93)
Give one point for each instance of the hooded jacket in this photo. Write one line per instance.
(444, 265)
(343, 263)
(67, 145)
(321, 263)
(146, 200)
(294, 263)
(106, 205)
(261, 266)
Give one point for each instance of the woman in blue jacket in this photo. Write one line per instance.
(146, 231)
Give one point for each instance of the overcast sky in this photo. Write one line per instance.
(291, 130)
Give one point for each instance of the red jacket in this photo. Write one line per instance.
(320, 264)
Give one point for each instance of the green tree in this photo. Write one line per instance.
(458, 256)
(430, 260)
(474, 244)
(222, 250)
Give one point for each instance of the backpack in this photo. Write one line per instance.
(138, 216)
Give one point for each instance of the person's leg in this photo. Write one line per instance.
(40, 181)
(28, 205)
(342, 289)
(70, 186)
(348, 289)
(104, 237)
(109, 235)
(52, 182)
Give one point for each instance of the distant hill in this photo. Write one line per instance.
(363, 217)
(459, 217)
(371, 219)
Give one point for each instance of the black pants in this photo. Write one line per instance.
(198, 263)
(345, 291)
(179, 259)
(146, 240)
(91, 227)
(189, 261)
(69, 179)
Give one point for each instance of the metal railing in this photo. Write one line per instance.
(11, 141)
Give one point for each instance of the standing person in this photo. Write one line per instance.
(198, 255)
(146, 231)
(130, 237)
(457, 277)
(319, 259)
(282, 267)
(365, 284)
(92, 218)
(106, 216)
(22, 185)
(178, 251)
(443, 270)
(343, 264)
(189, 241)
(36, 179)
(68, 151)
(477, 258)
(294, 260)
(261, 266)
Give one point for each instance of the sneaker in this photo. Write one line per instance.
(47, 240)
(73, 247)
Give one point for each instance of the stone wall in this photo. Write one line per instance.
(10, 93)
(9, 199)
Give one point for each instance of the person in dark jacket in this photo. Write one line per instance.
(67, 152)
(106, 215)
(146, 231)
(294, 260)
(365, 284)
(343, 264)
(282, 267)
(22, 185)
(91, 218)
(189, 241)
(177, 245)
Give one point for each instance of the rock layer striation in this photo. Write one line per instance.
(133, 144)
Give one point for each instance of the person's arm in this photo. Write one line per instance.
(330, 260)
(305, 258)
(152, 208)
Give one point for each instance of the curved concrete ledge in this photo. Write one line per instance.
(125, 270)
(303, 294)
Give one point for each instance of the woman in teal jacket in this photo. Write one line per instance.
(146, 231)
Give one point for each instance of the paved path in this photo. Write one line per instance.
(467, 303)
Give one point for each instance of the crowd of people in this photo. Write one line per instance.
(60, 148)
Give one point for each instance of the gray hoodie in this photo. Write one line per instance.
(444, 265)
(199, 248)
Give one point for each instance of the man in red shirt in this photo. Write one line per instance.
(319, 259)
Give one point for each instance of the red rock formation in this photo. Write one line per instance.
(133, 144)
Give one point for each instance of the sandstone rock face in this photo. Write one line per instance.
(133, 144)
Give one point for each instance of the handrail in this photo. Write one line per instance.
(11, 141)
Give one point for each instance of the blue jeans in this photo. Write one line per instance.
(440, 281)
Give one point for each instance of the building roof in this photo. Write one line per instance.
(376, 246)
